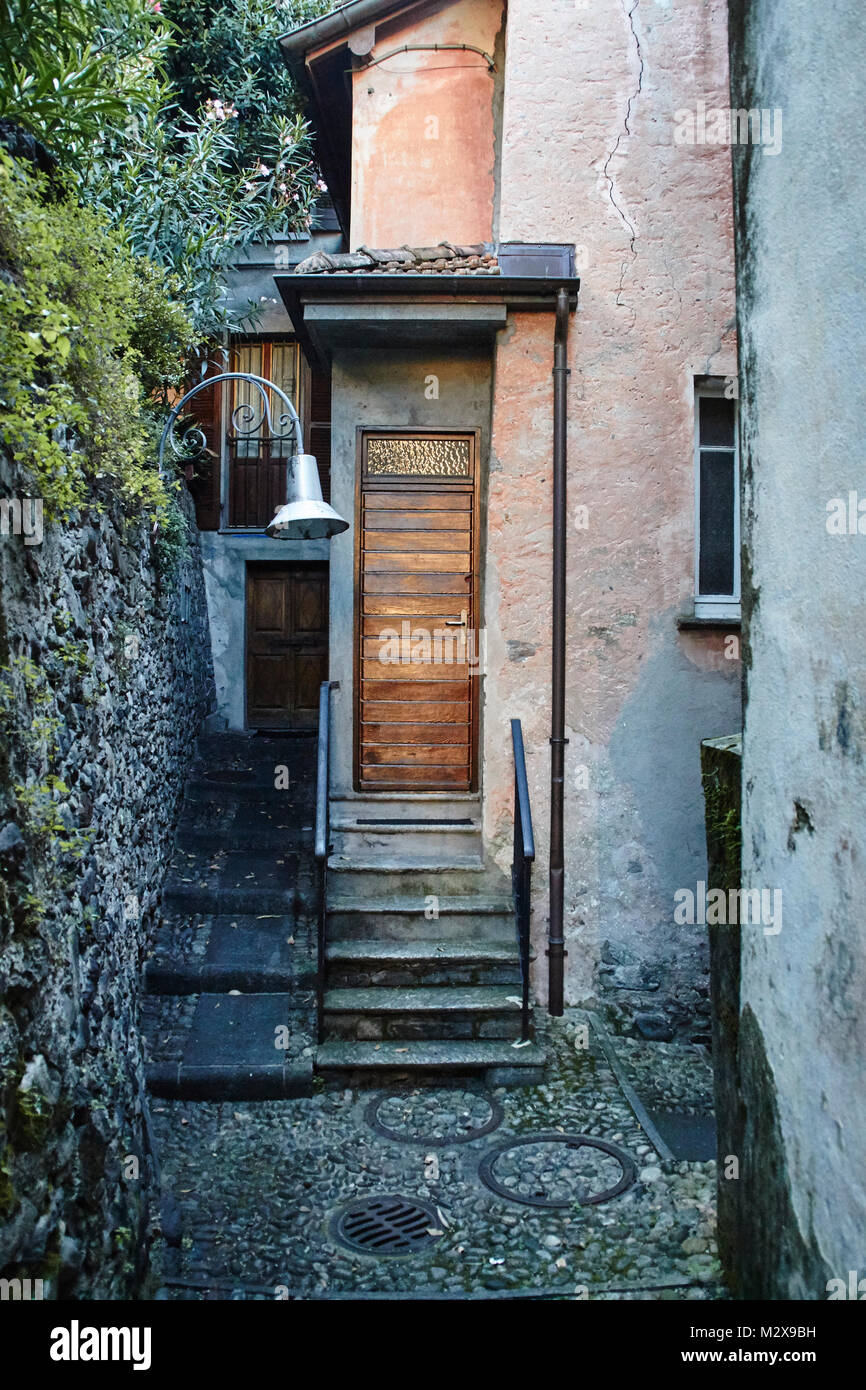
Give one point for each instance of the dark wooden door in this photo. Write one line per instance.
(287, 644)
(417, 669)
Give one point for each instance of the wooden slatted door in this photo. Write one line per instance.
(416, 695)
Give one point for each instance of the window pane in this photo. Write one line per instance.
(717, 502)
(717, 421)
(283, 374)
(247, 411)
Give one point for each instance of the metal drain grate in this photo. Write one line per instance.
(386, 1225)
(536, 1172)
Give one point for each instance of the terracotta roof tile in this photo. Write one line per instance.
(413, 260)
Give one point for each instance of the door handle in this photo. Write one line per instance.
(456, 622)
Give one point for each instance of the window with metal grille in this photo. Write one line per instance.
(717, 513)
(258, 452)
(239, 479)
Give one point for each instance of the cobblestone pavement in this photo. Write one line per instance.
(259, 1185)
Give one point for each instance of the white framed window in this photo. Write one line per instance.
(717, 503)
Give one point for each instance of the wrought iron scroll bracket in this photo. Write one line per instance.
(246, 420)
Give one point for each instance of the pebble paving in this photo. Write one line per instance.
(258, 1186)
(435, 1115)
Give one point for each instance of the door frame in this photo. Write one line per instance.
(395, 481)
(250, 565)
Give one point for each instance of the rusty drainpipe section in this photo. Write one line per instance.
(555, 939)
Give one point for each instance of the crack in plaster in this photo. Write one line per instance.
(627, 223)
(720, 342)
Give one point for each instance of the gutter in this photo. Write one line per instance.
(334, 25)
(555, 935)
(366, 284)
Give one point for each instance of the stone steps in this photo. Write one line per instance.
(230, 900)
(235, 1047)
(353, 839)
(230, 990)
(384, 877)
(295, 799)
(491, 999)
(422, 966)
(405, 952)
(423, 1012)
(402, 916)
(223, 953)
(213, 839)
(227, 820)
(233, 1081)
(363, 963)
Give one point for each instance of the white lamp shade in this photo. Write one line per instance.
(305, 516)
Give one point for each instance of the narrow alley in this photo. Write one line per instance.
(260, 1191)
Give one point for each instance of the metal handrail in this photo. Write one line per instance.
(322, 844)
(521, 865)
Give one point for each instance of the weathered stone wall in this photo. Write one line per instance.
(589, 157)
(802, 1035)
(105, 679)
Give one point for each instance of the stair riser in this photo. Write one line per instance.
(219, 979)
(368, 1078)
(406, 883)
(406, 806)
(411, 926)
(238, 1083)
(205, 901)
(255, 753)
(359, 844)
(266, 776)
(294, 801)
(361, 976)
(369, 1027)
(216, 838)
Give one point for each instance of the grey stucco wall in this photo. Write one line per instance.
(802, 319)
(385, 389)
(250, 284)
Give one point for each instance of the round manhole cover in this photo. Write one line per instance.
(557, 1170)
(435, 1116)
(386, 1225)
(230, 776)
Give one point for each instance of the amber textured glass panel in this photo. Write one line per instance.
(440, 458)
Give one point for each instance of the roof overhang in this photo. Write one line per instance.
(330, 28)
(403, 310)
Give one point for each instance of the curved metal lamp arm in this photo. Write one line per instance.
(251, 420)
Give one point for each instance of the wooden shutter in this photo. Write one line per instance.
(204, 475)
(319, 416)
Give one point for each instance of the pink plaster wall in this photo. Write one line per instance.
(423, 133)
(589, 157)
